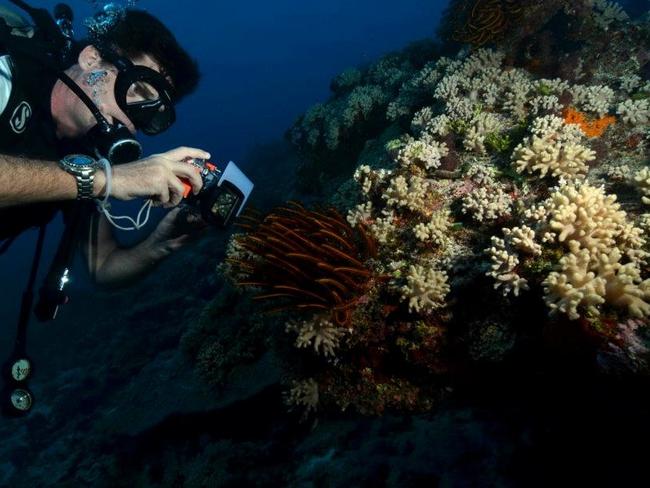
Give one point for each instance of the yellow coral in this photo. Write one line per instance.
(587, 215)
(544, 155)
(587, 281)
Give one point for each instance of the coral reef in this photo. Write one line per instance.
(513, 183)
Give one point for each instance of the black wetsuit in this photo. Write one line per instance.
(27, 129)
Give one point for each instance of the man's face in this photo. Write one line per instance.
(97, 78)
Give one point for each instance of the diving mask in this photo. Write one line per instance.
(143, 94)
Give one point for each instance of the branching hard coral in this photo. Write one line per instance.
(426, 288)
(585, 282)
(630, 82)
(487, 203)
(642, 181)
(346, 81)
(436, 230)
(597, 98)
(362, 213)
(587, 215)
(369, 179)
(424, 152)
(319, 333)
(414, 92)
(360, 104)
(634, 111)
(383, 228)
(544, 156)
(407, 191)
(619, 173)
(304, 395)
(552, 150)
(574, 286)
(306, 260)
(523, 239)
(504, 269)
(479, 128)
(605, 13)
(546, 103)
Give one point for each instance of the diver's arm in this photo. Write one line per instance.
(112, 265)
(157, 177)
(25, 181)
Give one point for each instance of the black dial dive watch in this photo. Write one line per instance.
(83, 168)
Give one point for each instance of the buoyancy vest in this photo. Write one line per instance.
(26, 126)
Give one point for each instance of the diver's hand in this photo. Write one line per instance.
(179, 227)
(157, 177)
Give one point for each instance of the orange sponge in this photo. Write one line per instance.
(591, 128)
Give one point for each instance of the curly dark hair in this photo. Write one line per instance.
(138, 33)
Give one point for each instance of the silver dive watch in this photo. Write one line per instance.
(83, 168)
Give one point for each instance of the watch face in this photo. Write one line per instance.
(79, 160)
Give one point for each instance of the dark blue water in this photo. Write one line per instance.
(263, 64)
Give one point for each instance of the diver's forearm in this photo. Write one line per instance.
(124, 266)
(24, 180)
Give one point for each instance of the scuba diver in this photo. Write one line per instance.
(69, 112)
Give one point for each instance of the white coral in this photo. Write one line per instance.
(480, 126)
(555, 86)
(425, 152)
(597, 98)
(436, 230)
(439, 125)
(503, 269)
(368, 178)
(634, 111)
(630, 82)
(303, 394)
(642, 181)
(407, 191)
(547, 103)
(574, 286)
(487, 203)
(318, 333)
(426, 288)
(383, 227)
(361, 213)
(523, 239)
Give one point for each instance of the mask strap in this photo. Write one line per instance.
(104, 206)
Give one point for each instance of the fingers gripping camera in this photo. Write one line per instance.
(224, 193)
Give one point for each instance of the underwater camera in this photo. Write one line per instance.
(223, 195)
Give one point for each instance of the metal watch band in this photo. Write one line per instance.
(83, 168)
(85, 185)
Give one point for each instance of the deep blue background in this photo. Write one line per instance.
(263, 64)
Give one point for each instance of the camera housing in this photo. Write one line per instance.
(223, 195)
